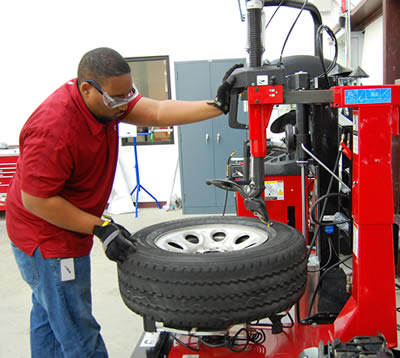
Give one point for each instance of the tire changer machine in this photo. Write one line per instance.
(359, 149)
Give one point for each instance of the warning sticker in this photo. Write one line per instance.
(355, 131)
(274, 190)
(355, 239)
(368, 95)
(150, 339)
(262, 80)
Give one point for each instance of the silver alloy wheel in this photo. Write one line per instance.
(211, 238)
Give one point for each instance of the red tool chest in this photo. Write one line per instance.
(8, 165)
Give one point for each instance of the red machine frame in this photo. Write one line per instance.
(372, 306)
(371, 310)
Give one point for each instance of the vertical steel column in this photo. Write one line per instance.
(301, 159)
(372, 306)
(256, 113)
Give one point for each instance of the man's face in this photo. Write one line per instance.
(119, 86)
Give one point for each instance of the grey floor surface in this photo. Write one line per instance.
(121, 328)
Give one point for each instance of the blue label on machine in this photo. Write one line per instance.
(367, 96)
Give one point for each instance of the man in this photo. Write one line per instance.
(68, 155)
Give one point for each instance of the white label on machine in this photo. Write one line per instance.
(190, 356)
(274, 190)
(262, 80)
(355, 132)
(355, 239)
(150, 339)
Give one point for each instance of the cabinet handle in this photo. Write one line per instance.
(207, 138)
(218, 138)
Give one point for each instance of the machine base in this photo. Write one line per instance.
(291, 343)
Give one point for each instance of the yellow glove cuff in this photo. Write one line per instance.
(105, 223)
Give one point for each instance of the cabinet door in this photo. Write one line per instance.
(227, 139)
(204, 147)
(196, 142)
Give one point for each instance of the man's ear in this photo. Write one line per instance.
(85, 88)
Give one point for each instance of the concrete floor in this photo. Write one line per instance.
(121, 328)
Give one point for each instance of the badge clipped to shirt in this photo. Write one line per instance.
(67, 269)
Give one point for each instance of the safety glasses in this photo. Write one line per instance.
(116, 101)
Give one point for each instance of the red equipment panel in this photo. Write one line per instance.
(8, 165)
(284, 206)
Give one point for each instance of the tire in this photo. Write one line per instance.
(208, 273)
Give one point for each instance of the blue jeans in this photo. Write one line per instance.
(62, 324)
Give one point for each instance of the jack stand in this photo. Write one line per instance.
(138, 185)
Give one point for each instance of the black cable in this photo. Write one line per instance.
(329, 258)
(324, 206)
(335, 56)
(257, 336)
(212, 345)
(233, 341)
(186, 345)
(225, 203)
(338, 254)
(312, 243)
(270, 19)
(326, 196)
(319, 42)
(290, 31)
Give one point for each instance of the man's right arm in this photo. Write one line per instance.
(60, 212)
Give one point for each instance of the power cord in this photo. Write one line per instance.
(290, 32)
(314, 220)
(312, 243)
(319, 41)
(236, 343)
(270, 19)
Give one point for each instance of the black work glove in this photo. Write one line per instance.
(115, 240)
(223, 97)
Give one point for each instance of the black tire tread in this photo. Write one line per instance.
(219, 292)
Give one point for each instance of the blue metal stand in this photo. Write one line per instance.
(138, 186)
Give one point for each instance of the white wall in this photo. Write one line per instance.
(372, 57)
(43, 41)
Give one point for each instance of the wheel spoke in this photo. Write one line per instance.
(212, 238)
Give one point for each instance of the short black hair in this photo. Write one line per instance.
(100, 64)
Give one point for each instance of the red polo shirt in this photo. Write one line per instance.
(64, 151)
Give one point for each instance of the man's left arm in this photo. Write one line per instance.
(150, 112)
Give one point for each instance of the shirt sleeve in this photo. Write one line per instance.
(130, 107)
(46, 163)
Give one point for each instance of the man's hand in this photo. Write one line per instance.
(115, 240)
(223, 97)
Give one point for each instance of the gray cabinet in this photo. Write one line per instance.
(204, 147)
